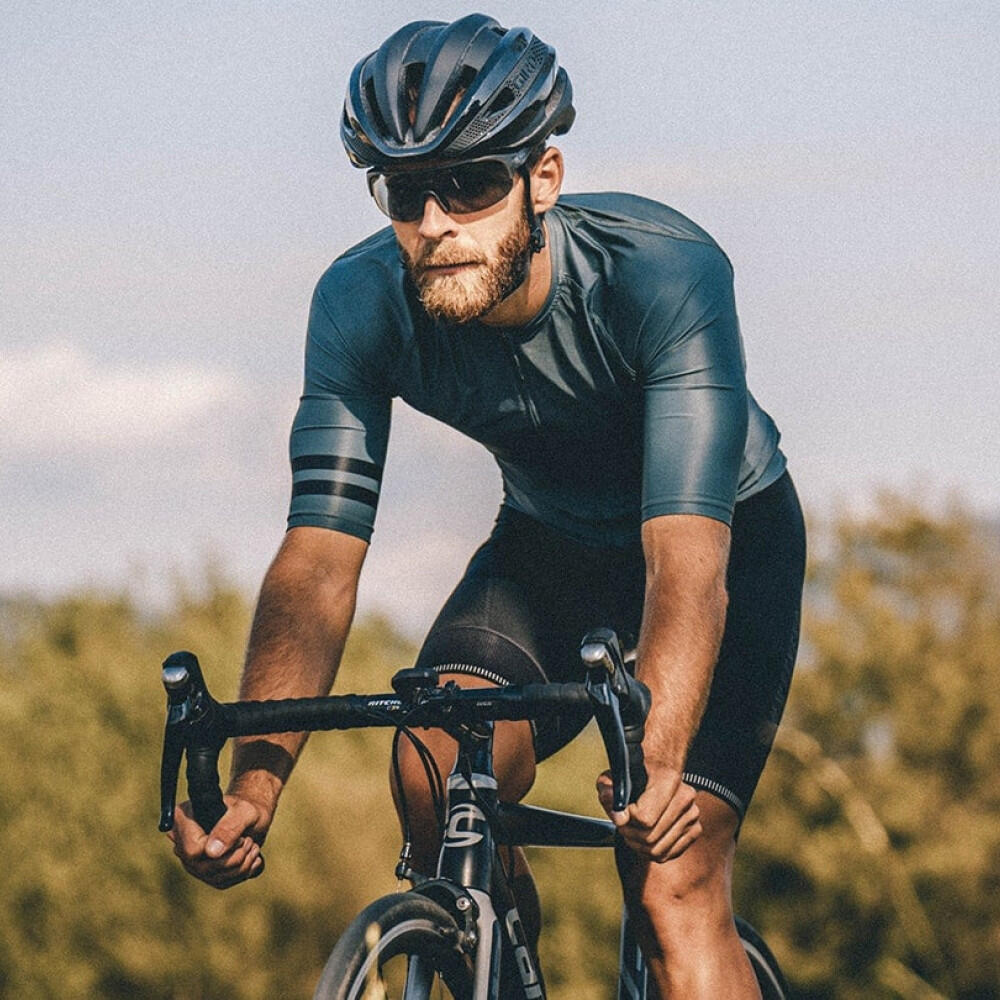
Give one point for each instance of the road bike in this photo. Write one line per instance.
(458, 934)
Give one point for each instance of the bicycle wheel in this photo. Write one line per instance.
(401, 947)
(769, 978)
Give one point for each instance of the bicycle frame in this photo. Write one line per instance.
(477, 824)
(469, 886)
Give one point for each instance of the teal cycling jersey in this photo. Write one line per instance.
(623, 399)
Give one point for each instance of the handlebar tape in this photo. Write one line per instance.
(355, 711)
(297, 715)
(203, 786)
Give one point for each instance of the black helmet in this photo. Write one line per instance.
(401, 100)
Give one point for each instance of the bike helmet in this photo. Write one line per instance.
(435, 91)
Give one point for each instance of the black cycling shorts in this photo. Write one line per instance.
(530, 594)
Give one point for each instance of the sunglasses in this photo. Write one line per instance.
(463, 188)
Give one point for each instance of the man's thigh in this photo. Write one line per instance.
(759, 645)
(525, 602)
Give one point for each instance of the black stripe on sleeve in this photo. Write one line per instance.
(326, 487)
(338, 463)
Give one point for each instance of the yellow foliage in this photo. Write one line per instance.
(870, 859)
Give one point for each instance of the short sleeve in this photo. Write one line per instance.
(340, 432)
(694, 392)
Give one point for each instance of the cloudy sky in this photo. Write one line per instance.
(173, 186)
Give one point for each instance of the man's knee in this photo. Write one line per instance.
(699, 880)
(694, 878)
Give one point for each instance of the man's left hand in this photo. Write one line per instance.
(663, 823)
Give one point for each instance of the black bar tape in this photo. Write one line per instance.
(203, 786)
(306, 715)
(300, 715)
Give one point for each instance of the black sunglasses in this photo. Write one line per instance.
(462, 188)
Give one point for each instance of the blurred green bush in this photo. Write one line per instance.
(871, 857)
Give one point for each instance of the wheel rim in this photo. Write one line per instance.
(405, 976)
(389, 972)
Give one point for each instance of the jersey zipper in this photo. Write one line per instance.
(529, 403)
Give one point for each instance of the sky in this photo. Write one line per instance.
(174, 185)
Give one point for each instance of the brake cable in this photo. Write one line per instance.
(434, 784)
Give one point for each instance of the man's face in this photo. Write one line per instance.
(464, 265)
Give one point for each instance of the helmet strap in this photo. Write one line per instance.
(534, 221)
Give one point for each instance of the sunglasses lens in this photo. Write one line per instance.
(400, 197)
(476, 186)
(468, 187)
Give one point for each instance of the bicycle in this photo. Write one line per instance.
(459, 931)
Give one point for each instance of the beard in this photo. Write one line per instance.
(474, 291)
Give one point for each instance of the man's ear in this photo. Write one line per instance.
(546, 180)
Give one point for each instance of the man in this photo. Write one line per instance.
(591, 343)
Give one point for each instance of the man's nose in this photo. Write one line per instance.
(435, 222)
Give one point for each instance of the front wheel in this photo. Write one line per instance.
(401, 947)
(769, 978)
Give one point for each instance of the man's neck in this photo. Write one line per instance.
(524, 304)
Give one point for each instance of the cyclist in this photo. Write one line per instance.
(591, 344)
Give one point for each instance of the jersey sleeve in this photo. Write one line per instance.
(694, 392)
(340, 432)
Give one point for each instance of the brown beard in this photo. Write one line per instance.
(459, 298)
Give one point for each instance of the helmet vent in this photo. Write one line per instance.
(374, 110)
(503, 100)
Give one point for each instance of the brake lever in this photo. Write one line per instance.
(190, 726)
(598, 652)
(176, 676)
(622, 723)
(170, 765)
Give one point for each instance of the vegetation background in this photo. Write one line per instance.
(870, 859)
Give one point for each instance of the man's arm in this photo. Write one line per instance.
(684, 617)
(303, 615)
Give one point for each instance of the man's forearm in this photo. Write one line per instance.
(683, 622)
(299, 629)
(678, 648)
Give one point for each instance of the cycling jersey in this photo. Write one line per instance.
(623, 399)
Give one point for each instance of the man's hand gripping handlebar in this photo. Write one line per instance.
(198, 726)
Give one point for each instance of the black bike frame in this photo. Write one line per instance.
(477, 823)
(470, 882)
(470, 885)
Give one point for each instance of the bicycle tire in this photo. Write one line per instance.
(769, 976)
(399, 927)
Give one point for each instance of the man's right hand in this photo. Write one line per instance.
(302, 619)
(230, 852)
